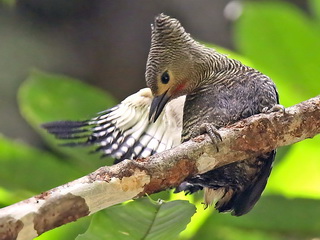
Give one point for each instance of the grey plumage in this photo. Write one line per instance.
(219, 91)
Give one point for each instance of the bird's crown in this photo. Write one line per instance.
(168, 31)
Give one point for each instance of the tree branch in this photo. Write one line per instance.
(111, 185)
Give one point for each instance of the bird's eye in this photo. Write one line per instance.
(165, 77)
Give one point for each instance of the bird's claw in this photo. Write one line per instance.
(275, 108)
(213, 133)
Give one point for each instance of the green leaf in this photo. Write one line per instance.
(68, 231)
(26, 171)
(47, 97)
(198, 219)
(274, 217)
(297, 175)
(140, 219)
(284, 44)
(10, 3)
(8, 197)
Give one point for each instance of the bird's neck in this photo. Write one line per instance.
(208, 63)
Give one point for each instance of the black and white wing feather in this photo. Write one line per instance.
(124, 131)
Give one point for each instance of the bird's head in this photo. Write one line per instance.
(170, 70)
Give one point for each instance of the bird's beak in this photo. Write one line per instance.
(157, 106)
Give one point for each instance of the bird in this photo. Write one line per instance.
(191, 90)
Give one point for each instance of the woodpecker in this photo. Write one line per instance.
(219, 91)
(192, 89)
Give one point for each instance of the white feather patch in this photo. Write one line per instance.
(125, 128)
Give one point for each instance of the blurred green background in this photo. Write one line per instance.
(70, 59)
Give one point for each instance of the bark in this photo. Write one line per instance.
(111, 185)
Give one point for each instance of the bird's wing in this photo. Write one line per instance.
(124, 131)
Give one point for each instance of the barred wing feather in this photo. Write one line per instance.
(124, 131)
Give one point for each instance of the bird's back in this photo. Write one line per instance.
(232, 95)
(236, 187)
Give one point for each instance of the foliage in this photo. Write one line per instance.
(9, 3)
(276, 38)
(141, 219)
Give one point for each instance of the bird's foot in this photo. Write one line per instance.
(275, 108)
(213, 133)
(188, 188)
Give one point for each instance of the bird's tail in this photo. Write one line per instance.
(234, 188)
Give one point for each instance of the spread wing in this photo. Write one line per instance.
(124, 131)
